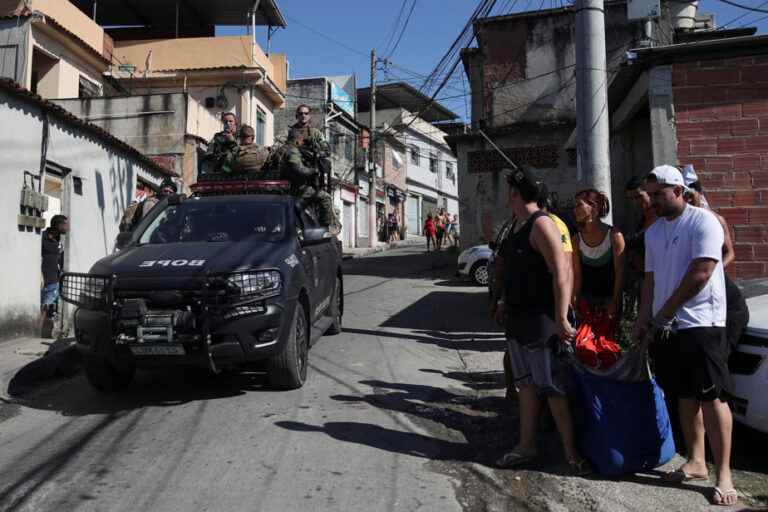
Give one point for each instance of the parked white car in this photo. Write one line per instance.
(749, 368)
(474, 263)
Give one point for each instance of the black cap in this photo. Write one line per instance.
(168, 183)
(524, 182)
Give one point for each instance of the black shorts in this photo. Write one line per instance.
(693, 363)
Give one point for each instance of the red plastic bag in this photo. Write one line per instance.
(594, 341)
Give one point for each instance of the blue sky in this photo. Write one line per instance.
(353, 27)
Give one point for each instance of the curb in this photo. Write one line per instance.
(381, 248)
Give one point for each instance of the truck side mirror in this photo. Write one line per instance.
(123, 239)
(314, 236)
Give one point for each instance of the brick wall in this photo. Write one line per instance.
(721, 116)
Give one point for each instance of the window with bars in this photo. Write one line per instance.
(415, 156)
(449, 171)
(433, 165)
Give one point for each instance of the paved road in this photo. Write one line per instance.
(402, 411)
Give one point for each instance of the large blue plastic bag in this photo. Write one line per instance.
(622, 426)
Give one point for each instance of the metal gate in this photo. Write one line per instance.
(412, 213)
(348, 232)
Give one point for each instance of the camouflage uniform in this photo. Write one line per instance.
(222, 153)
(252, 159)
(304, 178)
(310, 137)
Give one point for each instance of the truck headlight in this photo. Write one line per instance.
(259, 284)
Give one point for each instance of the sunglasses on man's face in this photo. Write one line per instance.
(302, 114)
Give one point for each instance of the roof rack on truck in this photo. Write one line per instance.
(236, 184)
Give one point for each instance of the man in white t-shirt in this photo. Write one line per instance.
(684, 302)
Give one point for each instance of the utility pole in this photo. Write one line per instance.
(592, 130)
(372, 234)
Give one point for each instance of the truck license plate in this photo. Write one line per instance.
(158, 350)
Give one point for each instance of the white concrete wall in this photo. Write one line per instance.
(260, 100)
(201, 121)
(108, 179)
(69, 68)
(208, 121)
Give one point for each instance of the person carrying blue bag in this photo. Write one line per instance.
(684, 303)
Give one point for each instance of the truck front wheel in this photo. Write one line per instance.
(288, 369)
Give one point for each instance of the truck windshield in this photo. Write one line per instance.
(200, 221)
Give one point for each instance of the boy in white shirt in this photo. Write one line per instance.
(684, 299)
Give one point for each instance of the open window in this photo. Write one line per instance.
(45, 74)
(88, 89)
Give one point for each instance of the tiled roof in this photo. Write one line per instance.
(12, 87)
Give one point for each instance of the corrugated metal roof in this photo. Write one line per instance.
(12, 87)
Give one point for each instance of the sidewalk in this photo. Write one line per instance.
(357, 252)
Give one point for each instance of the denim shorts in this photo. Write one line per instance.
(49, 294)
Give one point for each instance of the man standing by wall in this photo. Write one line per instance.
(533, 301)
(52, 253)
(684, 302)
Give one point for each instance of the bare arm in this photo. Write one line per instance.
(498, 308)
(576, 268)
(547, 240)
(619, 256)
(695, 279)
(646, 306)
(729, 253)
(498, 278)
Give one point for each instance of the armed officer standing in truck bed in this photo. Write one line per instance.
(307, 143)
(223, 148)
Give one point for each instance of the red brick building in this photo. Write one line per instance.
(703, 103)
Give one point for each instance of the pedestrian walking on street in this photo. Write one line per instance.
(532, 301)
(52, 266)
(430, 231)
(684, 307)
(454, 231)
(598, 258)
(392, 227)
(440, 228)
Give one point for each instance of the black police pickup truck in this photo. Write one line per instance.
(223, 280)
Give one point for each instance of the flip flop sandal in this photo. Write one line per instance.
(679, 476)
(515, 458)
(717, 492)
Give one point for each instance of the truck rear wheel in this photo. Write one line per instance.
(106, 376)
(288, 370)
